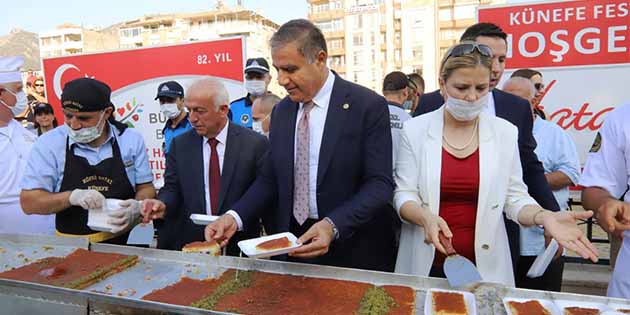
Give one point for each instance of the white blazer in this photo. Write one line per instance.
(501, 189)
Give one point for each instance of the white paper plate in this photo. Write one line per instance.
(202, 219)
(552, 308)
(469, 298)
(615, 307)
(562, 304)
(97, 219)
(248, 247)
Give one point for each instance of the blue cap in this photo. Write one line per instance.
(170, 89)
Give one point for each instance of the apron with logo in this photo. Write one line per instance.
(107, 177)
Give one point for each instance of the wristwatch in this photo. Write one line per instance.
(334, 227)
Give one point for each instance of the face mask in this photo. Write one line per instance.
(407, 105)
(86, 135)
(255, 87)
(170, 110)
(20, 102)
(466, 111)
(257, 126)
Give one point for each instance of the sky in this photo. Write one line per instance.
(41, 15)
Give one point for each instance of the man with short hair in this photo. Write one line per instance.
(560, 160)
(396, 87)
(261, 113)
(257, 80)
(329, 167)
(513, 109)
(208, 169)
(415, 94)
(15, 146)
(537, 78)
(72, 170)
(170, 96)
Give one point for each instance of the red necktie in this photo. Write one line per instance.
(215, 176)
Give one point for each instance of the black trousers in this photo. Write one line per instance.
(551, 280)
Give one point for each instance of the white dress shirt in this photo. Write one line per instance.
(222, 140)
(316, 122)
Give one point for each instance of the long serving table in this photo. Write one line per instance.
(121, 293)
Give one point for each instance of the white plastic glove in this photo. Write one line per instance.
(87, 199)
(124, 217)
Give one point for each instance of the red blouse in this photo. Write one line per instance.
(459, 191)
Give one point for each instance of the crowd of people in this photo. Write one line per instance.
(365, 181)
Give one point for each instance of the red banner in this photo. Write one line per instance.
(571, 33)
(134, 76)
(222, 58)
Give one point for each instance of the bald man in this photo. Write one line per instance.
(227, 153)
(261, 113)
(560, 161)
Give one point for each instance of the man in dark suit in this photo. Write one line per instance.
(207, 170)
(513, 109)
(329, 165)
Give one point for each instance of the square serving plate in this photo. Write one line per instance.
(562, 304)
(469, 298)
(203, 219)
(248, 247)
(549, 305)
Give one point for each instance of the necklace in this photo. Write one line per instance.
(465, 145)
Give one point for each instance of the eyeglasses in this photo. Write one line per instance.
(539, 86)
(467, 49)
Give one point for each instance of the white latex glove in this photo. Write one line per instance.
(87, 199)
(124, 217)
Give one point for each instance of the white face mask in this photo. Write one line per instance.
(464, 110)
(170, 110)
(86, 135)
(20, 102)
(255, 87)
(258, 126)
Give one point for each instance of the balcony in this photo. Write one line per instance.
(336, 51)
(334, 34)
(326, 15)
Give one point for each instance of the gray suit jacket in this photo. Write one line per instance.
(184, 193)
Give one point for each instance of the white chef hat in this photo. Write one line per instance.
(10, 69)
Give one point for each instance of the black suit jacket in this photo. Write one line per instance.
(183, 191)
(354, 179)
(517, 111)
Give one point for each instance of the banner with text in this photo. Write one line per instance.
(134, 76)
(582, 49)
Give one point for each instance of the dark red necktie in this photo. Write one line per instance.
(215, 176)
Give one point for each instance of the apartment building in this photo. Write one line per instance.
(69, 39)
(221, 22)
(369, 38)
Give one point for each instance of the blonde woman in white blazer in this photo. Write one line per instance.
(462, 130)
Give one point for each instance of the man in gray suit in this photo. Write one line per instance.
(207, 170)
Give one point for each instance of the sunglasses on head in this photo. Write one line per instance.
(539, 86)
(468, 48)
